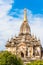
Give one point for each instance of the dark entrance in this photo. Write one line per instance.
(22, 54)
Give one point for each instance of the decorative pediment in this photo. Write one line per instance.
(21, 45)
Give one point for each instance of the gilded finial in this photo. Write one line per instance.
(25, 15)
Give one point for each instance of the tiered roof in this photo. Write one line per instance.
(24, 35)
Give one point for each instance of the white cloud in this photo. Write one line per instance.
(37, 27)
(5, 6)
(6, 1)
(9, 26)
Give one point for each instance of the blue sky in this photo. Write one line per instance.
(11, 18)
(36, 6)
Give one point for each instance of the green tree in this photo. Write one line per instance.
(37, 62)
(7, 58)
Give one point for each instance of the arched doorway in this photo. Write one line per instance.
(22, 54)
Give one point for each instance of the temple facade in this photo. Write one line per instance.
(25, 45)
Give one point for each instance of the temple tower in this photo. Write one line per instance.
(25, 28)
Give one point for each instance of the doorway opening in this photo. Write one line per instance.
(22, 54)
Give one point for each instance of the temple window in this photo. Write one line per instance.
(26, 53)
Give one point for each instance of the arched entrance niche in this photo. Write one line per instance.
(22, 54)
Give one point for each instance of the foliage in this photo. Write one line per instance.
(7, 58)
(37, 62)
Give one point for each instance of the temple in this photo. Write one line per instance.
(25, 45)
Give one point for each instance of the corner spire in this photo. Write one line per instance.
(25, 15)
